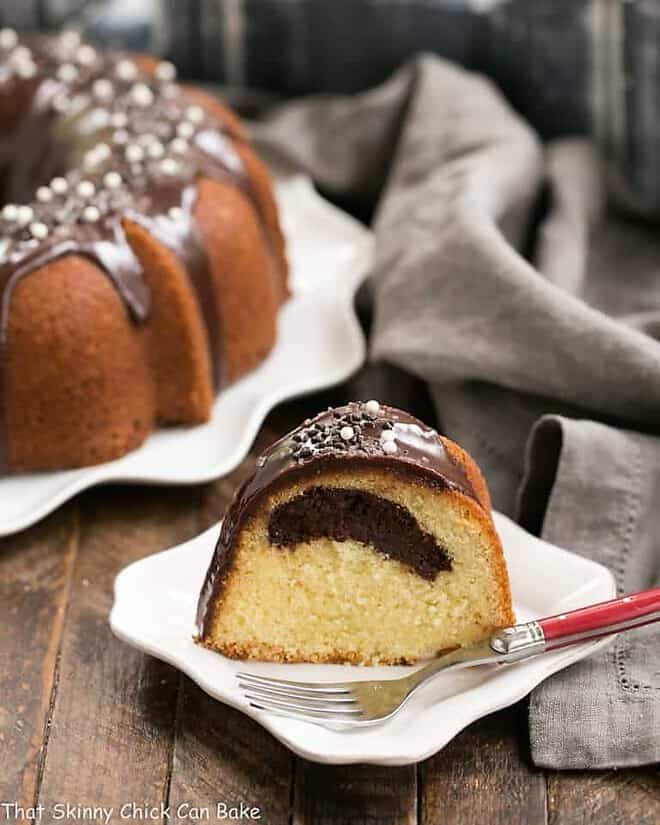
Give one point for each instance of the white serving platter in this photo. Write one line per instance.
(154, 610)
(320, 343)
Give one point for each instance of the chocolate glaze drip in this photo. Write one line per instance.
(345, 513)
(343, 440)
(135, 148)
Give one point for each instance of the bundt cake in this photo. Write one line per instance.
(363, 536)
(141, 259)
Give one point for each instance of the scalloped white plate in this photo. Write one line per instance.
(154, 610)
(320, 343)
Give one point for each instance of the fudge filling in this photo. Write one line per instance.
(346, 513)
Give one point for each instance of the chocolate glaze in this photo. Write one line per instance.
(347, 440)
(348, 513)
(60, 129)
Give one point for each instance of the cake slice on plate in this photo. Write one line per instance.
(363, 536)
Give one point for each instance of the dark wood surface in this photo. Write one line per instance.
(87, 720)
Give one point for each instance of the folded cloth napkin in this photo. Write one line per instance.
(533, 312)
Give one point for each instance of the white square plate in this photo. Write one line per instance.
(154, 610)
(319, 343)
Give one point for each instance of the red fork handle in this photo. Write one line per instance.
(634, 610)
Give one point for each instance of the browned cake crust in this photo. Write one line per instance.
(82, 379)
(329, 498)
(482, 493)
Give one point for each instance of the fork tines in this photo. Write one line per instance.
(332, 702)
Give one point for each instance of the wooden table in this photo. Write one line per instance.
(87, 720)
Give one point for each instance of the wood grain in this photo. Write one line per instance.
(35, 575)
(606, 797)
(113, 715)
(355, 795)
(221, 756)
(482, 777)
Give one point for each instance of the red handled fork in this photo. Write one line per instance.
(374, 701)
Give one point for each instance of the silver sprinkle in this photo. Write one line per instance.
(86, 55)
(70, 39)
(165, 71)
(61, 103)
(168, 166)
(142, 95)
(347, 433)
(86, 189)
(10, 212)
(112, 180)
(91, 214)
(26, 70)
(38, 230)
(134, 153)
(25, 214)
(44, 194)
(155, 149)
(103, 150)
(179, 146)
(195, 114)
(185, 129)
(8, 38)
(390, 447)
(21, 54)
(67, 73)
(126, 70)
(103, 89)
(91, 160)
(59, 185)
(118, 120)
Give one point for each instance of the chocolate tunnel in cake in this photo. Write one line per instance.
(363, 536)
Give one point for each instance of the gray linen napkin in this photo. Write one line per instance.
(519, 354)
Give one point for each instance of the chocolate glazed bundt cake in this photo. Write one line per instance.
(364, 537)
(141, 259)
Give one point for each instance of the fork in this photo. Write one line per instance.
(360, 703)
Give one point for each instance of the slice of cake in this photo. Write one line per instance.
(363, 536)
